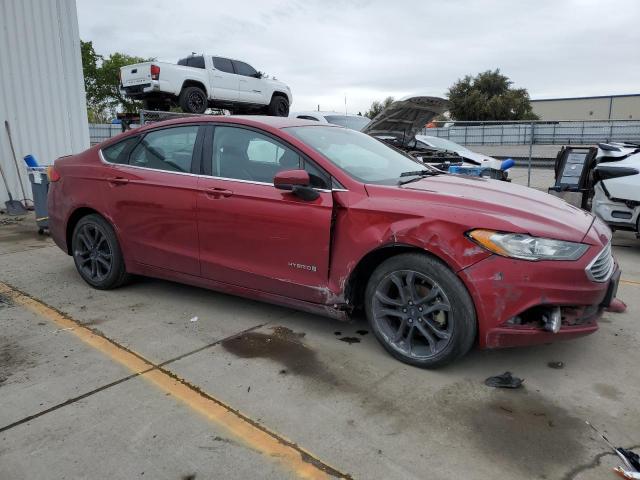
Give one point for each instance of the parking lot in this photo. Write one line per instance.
(165, 381)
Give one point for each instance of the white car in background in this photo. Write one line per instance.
(354, 122)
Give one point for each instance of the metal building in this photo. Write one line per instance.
(41, 85)
(607, 107)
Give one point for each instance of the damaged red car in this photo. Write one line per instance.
(332, 221)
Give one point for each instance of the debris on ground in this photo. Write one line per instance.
(630, 458)
(194, 319)
(350, 340)
(362, 332)
(556, 365)
(506, 380)
(627, 473)
(617, 306)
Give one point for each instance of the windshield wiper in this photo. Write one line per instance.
(418, 174)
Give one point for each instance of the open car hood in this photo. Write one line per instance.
(401, 120)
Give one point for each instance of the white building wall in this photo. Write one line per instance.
(41, 86)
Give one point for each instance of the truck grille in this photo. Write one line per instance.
(601, 268)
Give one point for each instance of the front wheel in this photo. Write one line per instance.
(97, 254)
(420, 311)
(279, 106)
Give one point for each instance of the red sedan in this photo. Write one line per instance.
(331, 221)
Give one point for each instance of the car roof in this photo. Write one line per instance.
(324, 113)
(249, 120)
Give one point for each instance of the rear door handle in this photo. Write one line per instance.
(118, 180)
(218, 192)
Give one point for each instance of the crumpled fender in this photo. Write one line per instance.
(359, 231)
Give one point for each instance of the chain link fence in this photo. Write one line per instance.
(538, 133)
(99, 132)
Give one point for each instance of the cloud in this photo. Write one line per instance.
(366, 50)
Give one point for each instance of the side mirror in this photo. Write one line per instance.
(297, 182)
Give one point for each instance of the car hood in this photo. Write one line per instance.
(404, 118)
(504, 206)
(471, 156)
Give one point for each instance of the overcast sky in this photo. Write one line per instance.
(369, 49)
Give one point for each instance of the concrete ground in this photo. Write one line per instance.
(129, 384)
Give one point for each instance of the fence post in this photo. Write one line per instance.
(482, 139)
(142, 118)
(530, 154)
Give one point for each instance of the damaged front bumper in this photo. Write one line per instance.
(545, 302)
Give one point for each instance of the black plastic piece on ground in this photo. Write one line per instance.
(633, 457)
(506, 380)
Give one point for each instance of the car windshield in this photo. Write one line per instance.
(441, 143)
(361, 156)
(354, 122)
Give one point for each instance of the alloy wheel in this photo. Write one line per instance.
(93, 253)
(413, 314)
(195, 102)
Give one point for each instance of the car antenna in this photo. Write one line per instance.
(345, 106)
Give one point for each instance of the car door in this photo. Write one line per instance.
(251, 87)
(224, 81)
(151, 197)
(252, 234)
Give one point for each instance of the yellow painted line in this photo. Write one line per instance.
(630, 282)
(259, 438)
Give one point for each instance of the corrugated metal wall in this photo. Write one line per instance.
(41, 85)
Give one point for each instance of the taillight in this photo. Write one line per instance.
(155, 72)
(53, 174)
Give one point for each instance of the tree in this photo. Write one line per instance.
(377, 107)
(489, 96)
(102, 83)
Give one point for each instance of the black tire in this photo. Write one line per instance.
(151, 104)
(93, 245)
(449, 332)
(279, 106)
(193, 100)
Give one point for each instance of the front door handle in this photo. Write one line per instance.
(218, 192)
(118, 181)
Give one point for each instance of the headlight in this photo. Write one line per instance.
(526, 247)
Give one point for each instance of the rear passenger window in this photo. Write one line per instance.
(118, 153)
(169, 149)
(223, 64)
(195, 62)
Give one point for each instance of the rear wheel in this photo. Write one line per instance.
(193, 100)
(97, 254)
(420, 311)
(279, 106)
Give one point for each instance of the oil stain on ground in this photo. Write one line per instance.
(283, 346)
(535, 436)
(13, 359)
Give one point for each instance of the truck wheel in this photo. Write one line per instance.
(193, 100)
(420, 311)
(151, 104)
(279, 106)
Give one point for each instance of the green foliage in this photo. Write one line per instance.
(377, 107)
(489, 96)
(102, 82)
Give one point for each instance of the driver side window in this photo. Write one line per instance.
(244, 154)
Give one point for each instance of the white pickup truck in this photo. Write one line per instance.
(201, 81)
